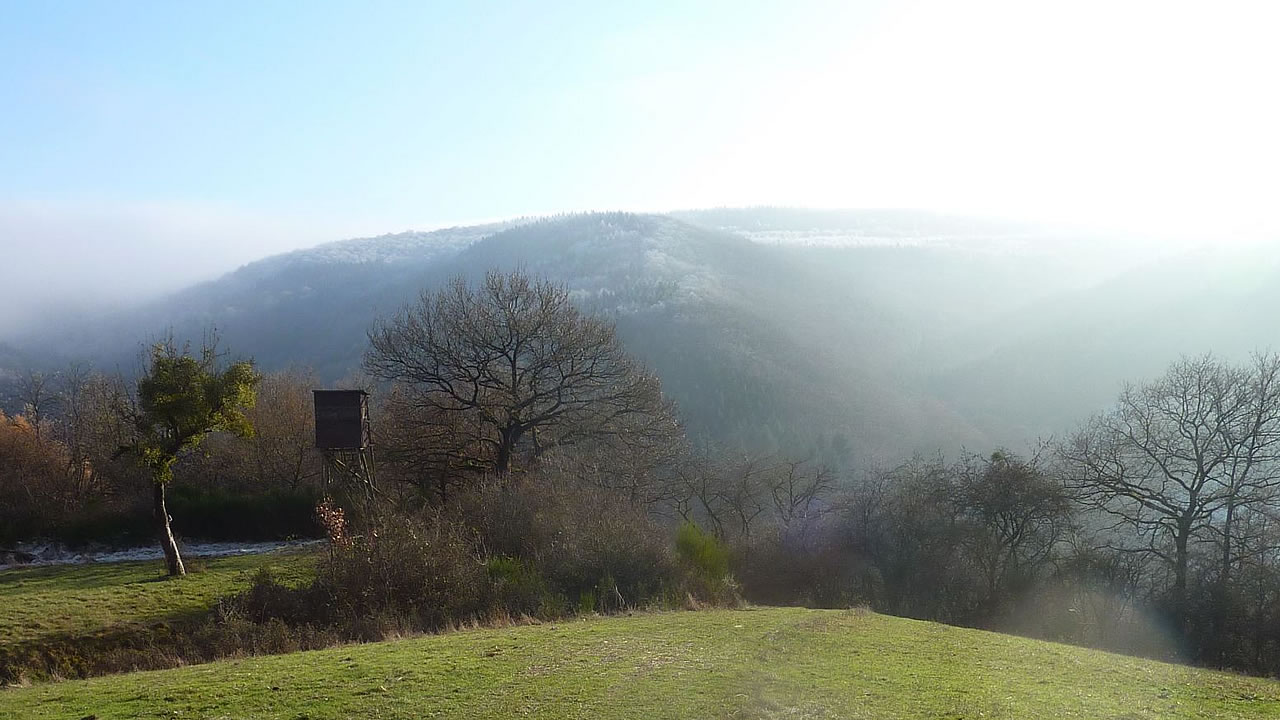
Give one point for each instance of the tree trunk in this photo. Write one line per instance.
(1224, 576)
(1180, 576)
(170, 546)
(1220, 591)
(507, 439)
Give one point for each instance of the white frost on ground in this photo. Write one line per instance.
(55, 554)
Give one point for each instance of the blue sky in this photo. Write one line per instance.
(147, 144)
(384, 112)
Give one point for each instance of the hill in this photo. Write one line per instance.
(761, 663)
(857, 336)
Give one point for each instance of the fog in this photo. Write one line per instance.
(72, 258)
(153, 151)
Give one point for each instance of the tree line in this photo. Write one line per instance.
(521, 423)
(73, 465)
(1150, 528)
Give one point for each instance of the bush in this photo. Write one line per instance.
(403, 576)
(826, 576)
(120, 526)
(592, 550)
(702, 552)
(518, 589)
(162, 645)
(706, 561)
(426, 571)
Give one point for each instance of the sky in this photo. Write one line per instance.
(146, 145)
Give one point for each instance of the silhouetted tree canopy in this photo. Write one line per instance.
(510, 369)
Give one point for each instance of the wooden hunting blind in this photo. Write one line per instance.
(343, 438)
(342, 419)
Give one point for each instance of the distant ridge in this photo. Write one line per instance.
(852, 336)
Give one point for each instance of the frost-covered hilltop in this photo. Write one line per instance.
(393, 248)
(403, 247)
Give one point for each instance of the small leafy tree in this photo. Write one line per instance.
(181, 399)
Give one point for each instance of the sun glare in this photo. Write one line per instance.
(1143, 116)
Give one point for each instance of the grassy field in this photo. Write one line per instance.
(762, 663)
(70, 600)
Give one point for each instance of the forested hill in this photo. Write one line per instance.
(860, 336)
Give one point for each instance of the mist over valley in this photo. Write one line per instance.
(859, 337)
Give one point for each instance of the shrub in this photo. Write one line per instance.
(705, 559)
(592, 550)
(827, 575)
(518, 589)
(538, 551)
(401, 576)
(162, 645)
(424, 571)
(702, 552)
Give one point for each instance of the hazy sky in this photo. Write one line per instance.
(143, 145)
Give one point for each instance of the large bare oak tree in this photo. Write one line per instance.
(1178, 460)
(498, 373)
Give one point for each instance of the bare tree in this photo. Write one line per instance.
(284, 429)
(799, 491)
(745, 494)
(727, 494)
(423, 447)
(510, 369)
(644, 467)
(698, 493)
(907, 522)
(36, 391)
(1016, 514)
(30, 477)
(73, 430)
(1177, 459)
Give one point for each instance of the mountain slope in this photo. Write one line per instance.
(858, 336)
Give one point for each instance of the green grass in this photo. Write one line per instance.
(764, 663)
(72, 600)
